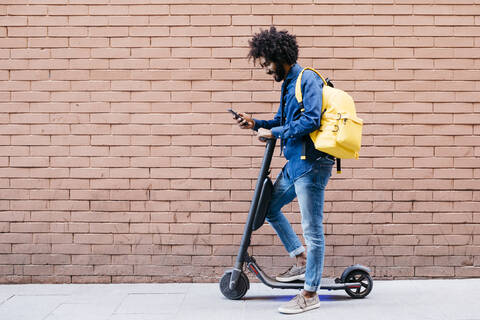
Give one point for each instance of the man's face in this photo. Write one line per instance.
(272, 68)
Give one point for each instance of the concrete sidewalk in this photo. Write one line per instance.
(412, 299)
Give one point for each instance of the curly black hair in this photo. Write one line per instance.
(275, 46)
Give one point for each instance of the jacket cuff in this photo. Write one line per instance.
(256, 126)
(278, 132)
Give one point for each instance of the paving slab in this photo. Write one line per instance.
(30, 307)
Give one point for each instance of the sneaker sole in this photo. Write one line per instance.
(290, 311)
(293, 278)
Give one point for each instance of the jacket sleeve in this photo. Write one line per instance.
(309, 120)
(268, 124)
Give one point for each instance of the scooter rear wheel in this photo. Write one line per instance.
(237, 293)
(362, 277)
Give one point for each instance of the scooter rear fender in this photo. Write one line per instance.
(345, 273)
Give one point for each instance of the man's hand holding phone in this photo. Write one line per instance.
(244, 121)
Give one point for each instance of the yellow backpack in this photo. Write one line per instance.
(340, 132)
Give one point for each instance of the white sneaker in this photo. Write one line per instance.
(292, 274)
(300, 304)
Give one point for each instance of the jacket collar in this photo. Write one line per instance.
(293, 72)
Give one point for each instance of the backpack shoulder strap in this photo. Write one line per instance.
(298, 84)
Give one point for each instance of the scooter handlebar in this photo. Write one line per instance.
(266, 139)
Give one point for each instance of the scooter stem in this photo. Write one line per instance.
(247, 232)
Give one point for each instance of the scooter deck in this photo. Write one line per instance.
(326, 283)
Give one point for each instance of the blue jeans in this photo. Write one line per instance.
(309, 188)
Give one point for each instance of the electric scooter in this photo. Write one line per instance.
(234, 284)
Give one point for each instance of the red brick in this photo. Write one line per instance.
(50, 259)
(88, 20)
(93, 238)
(128, 20)
(454, 20)
(68, 10)
(190, 9)
(37, 270)
(394, 9)
(73, 270)
(469, 272)
(148, 10)
(434, 271)
(210, 20)
(106, 10)
(14, 20)
(394, 250)
(352, 229)
(132, 238)
(29, 162)
(147, 31)
(169, 20)
(27, 31)
(176, 31)
(91, 259)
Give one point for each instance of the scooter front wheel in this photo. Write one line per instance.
(239, 291)
(366, 284)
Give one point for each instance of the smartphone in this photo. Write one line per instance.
(236, 115)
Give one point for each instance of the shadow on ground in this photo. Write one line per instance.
(289, 297)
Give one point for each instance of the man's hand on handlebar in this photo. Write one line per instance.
(245, 122)
(264, 134)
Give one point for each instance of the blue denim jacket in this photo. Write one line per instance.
(297, 126)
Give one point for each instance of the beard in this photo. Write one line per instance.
(279, 73)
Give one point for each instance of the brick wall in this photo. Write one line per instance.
(118, 162)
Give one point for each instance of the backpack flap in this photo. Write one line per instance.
(350, 133)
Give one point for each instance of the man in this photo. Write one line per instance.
(277, 52)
